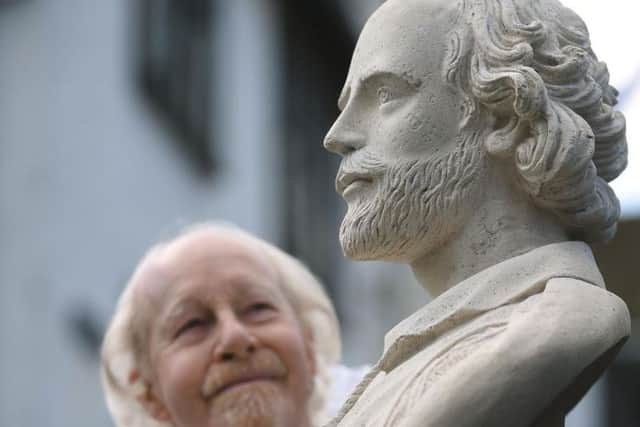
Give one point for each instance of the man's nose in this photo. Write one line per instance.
(343, 138)
(236, 341)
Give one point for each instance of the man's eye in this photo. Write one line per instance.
(191, 325)
(384, 95)
(259, 306)
(260, 311)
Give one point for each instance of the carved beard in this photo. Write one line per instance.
(418, 205)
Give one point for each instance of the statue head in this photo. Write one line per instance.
(441, 94)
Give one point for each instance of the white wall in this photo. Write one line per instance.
(613, 27)
(89, 179)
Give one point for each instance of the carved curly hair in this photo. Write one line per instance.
(529, 65)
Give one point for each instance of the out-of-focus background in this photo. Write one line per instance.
(122, 121)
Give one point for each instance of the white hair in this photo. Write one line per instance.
(123, 352)
(529, 63)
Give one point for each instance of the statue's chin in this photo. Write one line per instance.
(368, 233)
(369, 236)
(416, 208)
(400, 251)
(354, 250)
(356, 254)
(359, 246)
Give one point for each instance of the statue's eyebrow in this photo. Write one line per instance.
(405, 77)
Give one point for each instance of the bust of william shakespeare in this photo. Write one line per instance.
(478, 138)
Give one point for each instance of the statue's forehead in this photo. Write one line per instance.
(407, 38)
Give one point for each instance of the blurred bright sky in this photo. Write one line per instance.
(615, 36)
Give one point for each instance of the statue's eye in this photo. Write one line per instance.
(384, 95)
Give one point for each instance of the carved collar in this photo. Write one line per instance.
(509, 281)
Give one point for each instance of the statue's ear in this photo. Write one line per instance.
(508, 132)
(515, 100)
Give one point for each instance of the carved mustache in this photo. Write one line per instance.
(359, 166)
(265, 364)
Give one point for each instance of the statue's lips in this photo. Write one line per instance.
(348, 181)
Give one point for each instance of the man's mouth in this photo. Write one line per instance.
(230, 378)
(264, 366)
(249, 381)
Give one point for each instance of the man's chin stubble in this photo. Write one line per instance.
(258, 405)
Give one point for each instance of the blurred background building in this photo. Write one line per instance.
(122, 121)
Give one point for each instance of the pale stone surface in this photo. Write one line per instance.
(478, 139)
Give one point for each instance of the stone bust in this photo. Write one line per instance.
(477, 141)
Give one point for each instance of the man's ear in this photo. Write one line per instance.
(153, 406)
(310, 349)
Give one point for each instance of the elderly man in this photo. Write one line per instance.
(218, 328)
(477, 139)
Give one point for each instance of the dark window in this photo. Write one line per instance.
(623, 394)
(174, 65)
(318, 50)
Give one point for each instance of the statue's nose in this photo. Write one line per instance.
(343, 141)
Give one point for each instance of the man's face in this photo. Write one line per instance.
(225, 346)
(408, 170)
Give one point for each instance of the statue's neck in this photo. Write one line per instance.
(503, 225)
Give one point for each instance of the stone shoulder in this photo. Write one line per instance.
(541, 363)
(572, 316)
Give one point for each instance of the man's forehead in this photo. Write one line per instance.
(151, 283)
(242, 286)
(407, 38)
(162, 276)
